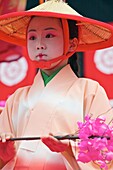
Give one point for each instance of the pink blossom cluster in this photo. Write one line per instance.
(96, 141)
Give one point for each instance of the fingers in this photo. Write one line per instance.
(5, 136)
(49, 140)
(55, 145)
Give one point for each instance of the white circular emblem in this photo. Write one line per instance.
(12, 73)
(104, 60)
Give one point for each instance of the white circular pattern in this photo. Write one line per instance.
(104, 60)
(12, 73)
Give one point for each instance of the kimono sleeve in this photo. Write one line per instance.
(97, 103)
(6, 124)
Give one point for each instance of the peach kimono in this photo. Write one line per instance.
(37, 110)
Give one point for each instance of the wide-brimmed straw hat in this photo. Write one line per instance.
(92, 34)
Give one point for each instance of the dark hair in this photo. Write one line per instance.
(73, 32)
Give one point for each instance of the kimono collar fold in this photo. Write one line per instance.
(48, 78)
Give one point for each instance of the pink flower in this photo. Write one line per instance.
(98, 148)
(81, 157)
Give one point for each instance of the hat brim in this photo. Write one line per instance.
(92, 34)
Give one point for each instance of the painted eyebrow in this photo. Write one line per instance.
(49, 28)
(31, 30)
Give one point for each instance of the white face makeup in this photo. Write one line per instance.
(45, 39)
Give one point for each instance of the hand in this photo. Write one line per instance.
(62, 146)
(7, 148)
(54, 144)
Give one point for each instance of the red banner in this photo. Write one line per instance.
(16, 70)
(13, 75)
(98, 65)
(7, 6)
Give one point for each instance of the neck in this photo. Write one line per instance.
(54, 67)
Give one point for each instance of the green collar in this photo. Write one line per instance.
(47, 78)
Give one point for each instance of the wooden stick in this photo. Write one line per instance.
(71, 137)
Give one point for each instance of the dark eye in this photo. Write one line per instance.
(49, 36)
(32, 38)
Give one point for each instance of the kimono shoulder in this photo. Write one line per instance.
(91, 87)
(20, 94)
(96, 101)
(11, 109)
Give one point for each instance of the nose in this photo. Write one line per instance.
(41, 46)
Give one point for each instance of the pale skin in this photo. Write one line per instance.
(45, 36)
(44, 42)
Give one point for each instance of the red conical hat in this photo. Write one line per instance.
(92, 34)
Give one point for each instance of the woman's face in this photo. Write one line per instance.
(45, 39)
